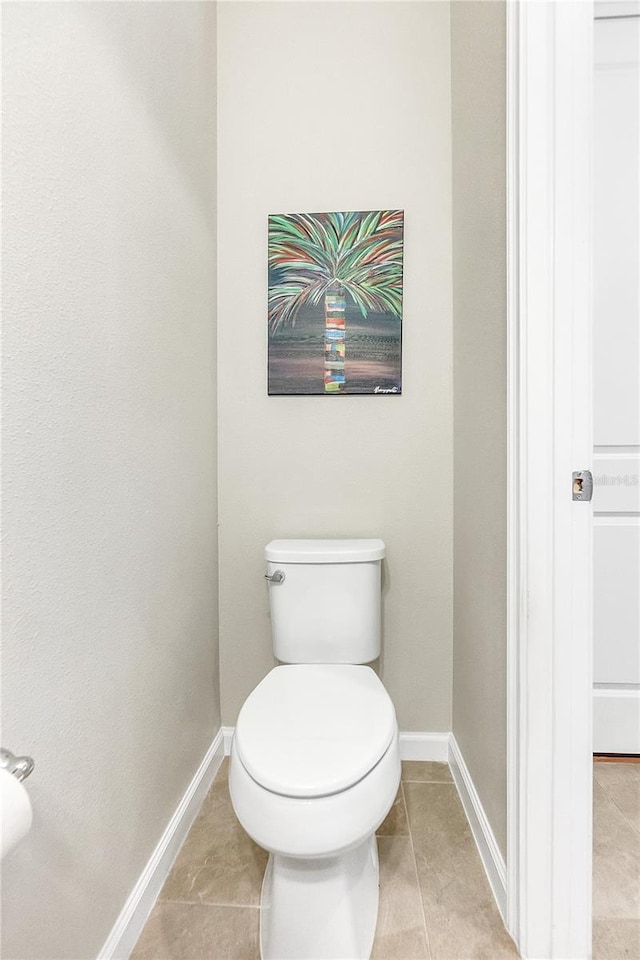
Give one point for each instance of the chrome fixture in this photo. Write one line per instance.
(277, 577)
(20, 767)
(582, 485)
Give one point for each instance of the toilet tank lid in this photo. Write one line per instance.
(324, 551)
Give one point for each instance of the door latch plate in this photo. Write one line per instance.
(582, 485)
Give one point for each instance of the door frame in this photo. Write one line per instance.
(549, 295)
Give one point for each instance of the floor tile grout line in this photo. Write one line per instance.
(606, 792)
(415, 870)
(609, 795)
(427, 781)
(613, 800)
(208, 903)
(624, 816)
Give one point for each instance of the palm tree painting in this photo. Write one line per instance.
(335, 302)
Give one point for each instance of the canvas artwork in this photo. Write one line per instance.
(335, 303)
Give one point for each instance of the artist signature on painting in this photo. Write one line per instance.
(386, 389)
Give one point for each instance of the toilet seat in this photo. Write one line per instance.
(314, 730)
(316, 826)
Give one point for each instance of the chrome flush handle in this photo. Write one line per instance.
(277, 577)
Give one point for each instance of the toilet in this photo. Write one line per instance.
(315, 761)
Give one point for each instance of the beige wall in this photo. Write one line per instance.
(480, 497)
(110, 653)
(337, 106)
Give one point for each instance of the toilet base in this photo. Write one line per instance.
(324, 909)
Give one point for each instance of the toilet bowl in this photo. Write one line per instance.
(315, 768)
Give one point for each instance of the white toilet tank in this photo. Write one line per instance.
(327, 607)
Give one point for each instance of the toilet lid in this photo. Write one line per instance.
(310, 730)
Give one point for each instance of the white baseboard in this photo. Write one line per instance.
(417, 745)
(414, 745)
(616, 719)
(227, 733)
(486, 843)
(134, 914)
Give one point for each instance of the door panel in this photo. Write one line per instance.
(616, 615)
(616, 481)
(616, 238)
(616, 367)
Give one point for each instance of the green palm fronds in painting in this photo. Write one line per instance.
(331, 257)
(310, 253)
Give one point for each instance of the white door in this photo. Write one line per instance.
(616, 370)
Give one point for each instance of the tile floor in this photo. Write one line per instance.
(616, 861)
(434, 898)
